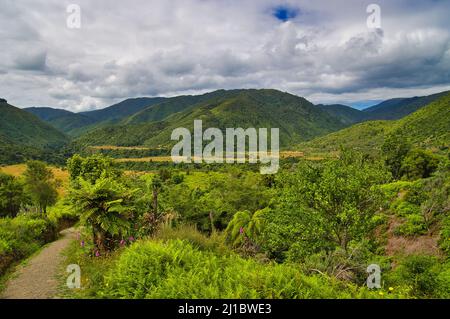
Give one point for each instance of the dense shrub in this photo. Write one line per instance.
(420, 204)
(175, 269)
(62, 215)
(21, 236)
(210, 200)
(177, 178)
(348, 265)
(215, 242)
(419, 164)
(445, 235)
(425, 275)
(414, 225)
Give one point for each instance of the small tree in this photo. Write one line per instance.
(91, 168)
(105, 207)
(395, 148)
(40, 185)
(12, 195)
(332, 203)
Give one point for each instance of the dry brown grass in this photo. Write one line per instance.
(284, 154)
(314, 158)
(138, 173)
(15, 170)
(112, 147)
(19, 169)
(146, 159)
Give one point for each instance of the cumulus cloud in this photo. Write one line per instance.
(318, 49)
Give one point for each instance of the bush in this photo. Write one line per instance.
(414, 225)
(425, 275)
(345, 265)
(177, 178)
(443, 279)
(189, 233)
(175, 269)
(22, 236)
(62, 215)
(419, 164)
(404, 209)
(445, 235)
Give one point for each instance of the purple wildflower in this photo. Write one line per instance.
(82, 243)
(122, 242)
(97, 253)
(131, 239)
(241, 230)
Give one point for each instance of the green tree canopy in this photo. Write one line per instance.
(419, 164)
(245, 225)
(327, 205)
(91, 168)
(12, 195)
(41, 185)
(105, 207)
(395, 148)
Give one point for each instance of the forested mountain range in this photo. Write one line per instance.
(429, 127)
(26, 133)
(23, 135)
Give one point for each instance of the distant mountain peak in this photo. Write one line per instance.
(397, 108)
(3, 100)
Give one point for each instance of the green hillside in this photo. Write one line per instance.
(21, 127)
(76, 124)
(169, 106)
(346, 114)
(13, 153)
(122, 110)
(297, 118)
(428, 127)
(24, 136)
(65, 121)
(398, 108)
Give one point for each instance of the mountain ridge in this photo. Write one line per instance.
(24, 136)
(297, 118)
(63, 120)
(140, 110)
(394, 109)
(428, 127)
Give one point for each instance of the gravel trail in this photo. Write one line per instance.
(37, 279)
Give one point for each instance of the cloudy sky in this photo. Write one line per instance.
(322, 50)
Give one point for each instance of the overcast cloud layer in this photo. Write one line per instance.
(324, 51)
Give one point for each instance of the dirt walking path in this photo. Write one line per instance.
(37, 279)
